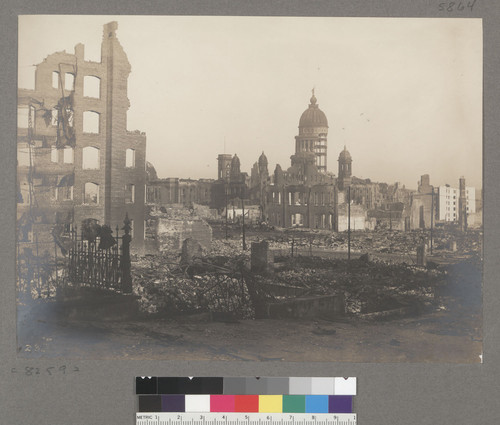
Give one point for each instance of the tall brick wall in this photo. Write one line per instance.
(112, 138)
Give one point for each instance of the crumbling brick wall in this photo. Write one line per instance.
(69, 76)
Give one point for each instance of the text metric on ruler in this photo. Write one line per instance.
(167, 418)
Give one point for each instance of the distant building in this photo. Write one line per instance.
(305, 195)
(345, 169)
(313, 132)
(259, 182)
(231, 185)
(422, 205)
(76, 158)
(448, 202)
(173, 190)
(302, 196)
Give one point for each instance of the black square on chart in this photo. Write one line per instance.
(146, 385)
(149, 403)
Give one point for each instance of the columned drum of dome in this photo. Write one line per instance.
(313, 131)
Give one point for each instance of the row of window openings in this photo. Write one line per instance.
(91, 83)
(68, 226)
(91, 120)
(298, 198)
(90, 157)
(90, 193)
(454, 209)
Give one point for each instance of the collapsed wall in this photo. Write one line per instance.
(168, 228)
(172, 232)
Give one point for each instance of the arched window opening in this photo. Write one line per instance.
(90, 158)
(92, 86)
(91, 193)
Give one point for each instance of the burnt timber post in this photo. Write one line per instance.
(125, 257)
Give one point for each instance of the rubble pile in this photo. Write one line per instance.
(166, 288)
(379, 241)
(226, 247)
(367, 286)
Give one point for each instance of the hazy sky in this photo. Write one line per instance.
(404, 95)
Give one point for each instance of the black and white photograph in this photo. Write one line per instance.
(296, 189)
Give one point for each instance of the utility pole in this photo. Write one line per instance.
(349, 223)
(432, 215)
(243, 222)
(225, 194)
(284, 207)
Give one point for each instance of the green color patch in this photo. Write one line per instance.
(294, 404)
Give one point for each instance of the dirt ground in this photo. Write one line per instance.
(451, 333)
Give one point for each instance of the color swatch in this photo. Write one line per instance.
(246, 403)
(247, 394)
(246, 385)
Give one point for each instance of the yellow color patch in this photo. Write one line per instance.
(270, 404)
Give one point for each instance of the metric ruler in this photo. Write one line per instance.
(167, 418)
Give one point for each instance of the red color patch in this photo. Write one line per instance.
(246, 403)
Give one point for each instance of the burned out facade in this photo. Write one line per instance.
(232, 184)
(76, 158)
(173, 190)
(302, 196)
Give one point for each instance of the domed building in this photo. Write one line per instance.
(313, 132)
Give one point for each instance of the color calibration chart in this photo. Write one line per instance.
(245, 401)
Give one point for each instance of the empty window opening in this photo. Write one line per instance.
(55, 79)
(130, 158)
(91, 193)
(23, 154)
(55, 115)
(66, 193)
(297, 219)
(68, 156)
(91, 122)
(54, 154)
(69, 81)
(91, 86)
(22, 117)
(90, 158)
(132, 229)
(129, 193)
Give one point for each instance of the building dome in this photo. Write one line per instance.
(345, 156)
(313, 116)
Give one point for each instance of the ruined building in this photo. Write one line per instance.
(76, 158)
(259, 181)
(232, 184)
(345, 169)
(173, 190)
(313, 132)
(305, 195)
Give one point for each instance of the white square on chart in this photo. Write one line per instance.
(197, 403)
(345, 386)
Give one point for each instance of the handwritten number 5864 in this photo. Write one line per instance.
(459, 6)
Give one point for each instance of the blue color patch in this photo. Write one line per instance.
(316, 404)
